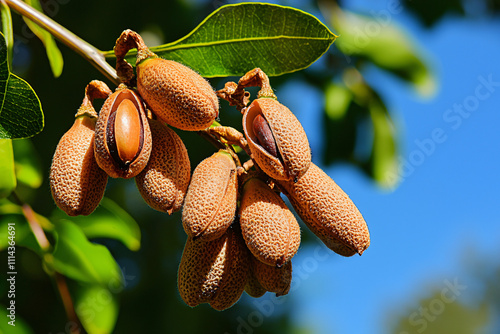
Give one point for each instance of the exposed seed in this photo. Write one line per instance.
(264, 135)
(128, 131)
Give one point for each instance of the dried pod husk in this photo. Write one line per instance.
(328, 212)
(269, 228)
(253, 288)
(122, 136)
(176, 94)
(214, 271)
(76, 181)
(273, 279)
(164, 181)
(293, 152)
(210, 203)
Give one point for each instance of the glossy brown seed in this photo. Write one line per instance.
(176, 94)
(328, 212)
(293, 153)
(214, 271)
(124, 108)
(264, 135)
(210, 203)
(164, 181)
(76, 181)
(127, 131)
(269, 228)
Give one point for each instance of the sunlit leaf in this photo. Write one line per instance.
(21, 112)
(76, 257)
(7, 171)
(28, 166)
(385, 45)
(7, 30)
(96, 307)
(109, 220)
(237, 38)
(53, 53)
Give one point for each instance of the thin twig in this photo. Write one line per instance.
(86, 50)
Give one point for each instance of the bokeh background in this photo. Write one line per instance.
(402, 112)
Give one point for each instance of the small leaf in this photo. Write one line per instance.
(76, 257)
(96, 307)
(109, 220)
(384, 44)
(53, 53)
(27, 162)
(237, 38)
(23, 235)
(21, 112)
(7, 171)
(7, 30)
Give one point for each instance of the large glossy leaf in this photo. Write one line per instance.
(7, 172)
(27, 162)
(20, 112)
(384, 44)
(109, 220)
(237, 38)
(53, 53)
(96, 307)
(76, 257)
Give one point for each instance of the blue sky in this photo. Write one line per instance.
(446, 206)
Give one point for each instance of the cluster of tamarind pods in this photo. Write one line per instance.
(241, 234)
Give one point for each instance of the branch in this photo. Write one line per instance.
(84, 49)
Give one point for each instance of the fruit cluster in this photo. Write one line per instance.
(241, 234)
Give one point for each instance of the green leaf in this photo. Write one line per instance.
(7, 30)
(96, 307)
(7, 171)
(28, 164)
(109, 220)
(237, 38)
(53, 53)
(385, 45)
(20, 112)
(76, 257)
(359, 129)
(23, 235)
(21, 327)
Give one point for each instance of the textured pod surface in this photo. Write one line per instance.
(328, 212)
(164, 181)
(106, 148)
(253, 288)
(273, 279)
(176, 94)
(214, 271)
(291, 140)
(210, 203)
(269, 228)
(76, 181)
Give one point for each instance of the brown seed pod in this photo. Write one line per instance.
(293, 154)
(176, 94)
(210, 203)
(164, 181)
(76, 181)
(123, 138)
(273, 279)
(214, 271)
(253, 288)
(328, 212)
(269, 228)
